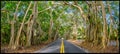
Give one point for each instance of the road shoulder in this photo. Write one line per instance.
(78, 46)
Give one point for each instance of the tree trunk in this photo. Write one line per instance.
(56, 33)
(50, 29)
(28, 31)
(11, 43)
(74, 31)
(104, 39)
(19, 31)
(30, 26)
(111, 21)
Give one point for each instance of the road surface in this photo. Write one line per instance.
(55, 48)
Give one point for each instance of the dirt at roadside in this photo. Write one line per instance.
(95, 49)
(4, 49)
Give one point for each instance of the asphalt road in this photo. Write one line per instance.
(55, 48)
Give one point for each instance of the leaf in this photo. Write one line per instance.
(50, 3)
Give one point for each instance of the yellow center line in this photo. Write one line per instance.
(62, 47)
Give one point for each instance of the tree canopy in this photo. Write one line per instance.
(26, 23)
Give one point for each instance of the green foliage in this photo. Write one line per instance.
(64, 23)
(44, 38)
